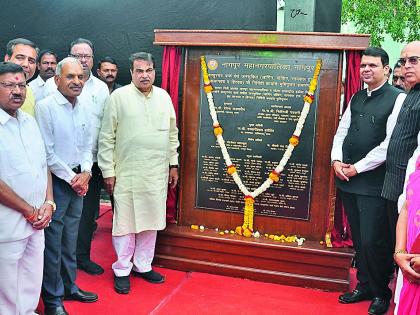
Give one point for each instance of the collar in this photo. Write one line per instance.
(39, 81)
(5, 117)
(138, 91)
(369, 93)
(61, 100)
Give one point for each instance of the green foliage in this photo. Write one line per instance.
(398, 18)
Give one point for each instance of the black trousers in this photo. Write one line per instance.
(91, 203)
(370, 229)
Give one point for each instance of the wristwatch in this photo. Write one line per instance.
(173, 166)
(51, 203)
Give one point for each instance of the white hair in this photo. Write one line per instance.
(65, 61)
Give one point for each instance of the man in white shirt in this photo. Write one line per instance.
(65, 127)
(358, 156)
(25, 209)
(47, 62)
(93, 97)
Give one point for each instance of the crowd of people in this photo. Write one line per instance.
(374, 158)
(64, 136)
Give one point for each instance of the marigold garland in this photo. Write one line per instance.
(247, 227)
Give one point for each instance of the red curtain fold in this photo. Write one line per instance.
(171, 66)
(341, 235)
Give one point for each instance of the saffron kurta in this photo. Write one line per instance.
(137, 143)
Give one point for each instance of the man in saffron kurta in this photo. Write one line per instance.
(138, 155)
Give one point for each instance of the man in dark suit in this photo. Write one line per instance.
(358, 156)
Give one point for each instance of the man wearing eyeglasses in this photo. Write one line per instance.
(403, 141)
(138, 156)
(398, 78)
(26, 199)
(24, 53)
(358, 156)
(93, 96)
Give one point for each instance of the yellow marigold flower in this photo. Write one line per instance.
(276, 238)
(222, 233)
(239, 230)
(271, 236)
(266, 235)
(232, 232)
(231, 169)
(194, 227)
(218, 131)
(294, 141)
(307, 99)
(274, 176)
(247, 233)
(282, 237)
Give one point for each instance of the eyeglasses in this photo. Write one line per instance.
(80, 57)
(395, 78)
(11, 86)
(413, 60)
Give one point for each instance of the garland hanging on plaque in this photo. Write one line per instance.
(248, 224)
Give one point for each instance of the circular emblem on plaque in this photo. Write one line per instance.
(212, 64)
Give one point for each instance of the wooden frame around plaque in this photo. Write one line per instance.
(317, 45)
(181, 249)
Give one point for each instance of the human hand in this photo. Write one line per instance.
(415, 264)
(338, 170)
(44, 217)
(173, 177)
(349, 171)
(404, 262)
(31, 215)
(80, 183)
(109, 184)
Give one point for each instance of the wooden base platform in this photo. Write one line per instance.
(310, 265)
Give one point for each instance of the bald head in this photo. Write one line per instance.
(410, 63)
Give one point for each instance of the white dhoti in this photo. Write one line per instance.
(140, 247)
(21, 265)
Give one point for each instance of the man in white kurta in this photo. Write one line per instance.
(26, 201)
(138, 155)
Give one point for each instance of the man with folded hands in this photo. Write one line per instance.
(26, 200)
(65, 127)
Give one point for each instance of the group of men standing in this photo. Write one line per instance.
(375, 139)
(52, 171)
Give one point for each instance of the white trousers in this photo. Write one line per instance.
(21, 265)
(139, 246)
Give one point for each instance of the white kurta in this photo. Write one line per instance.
(137, 143)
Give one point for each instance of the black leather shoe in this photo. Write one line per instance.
(90, 267)
(122, 284)
(378, 306)
(354, 296)
(60, 310)
(82, 296)
(150, 276)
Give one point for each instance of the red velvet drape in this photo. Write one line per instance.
(171, 66)
(341, 235)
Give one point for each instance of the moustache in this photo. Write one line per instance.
(110, 76)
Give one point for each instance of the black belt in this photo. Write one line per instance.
(77, 169)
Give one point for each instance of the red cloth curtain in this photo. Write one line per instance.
(341, 235)
(171, 66)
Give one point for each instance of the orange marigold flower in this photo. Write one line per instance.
(208, 88)
(239, 230)
(217, 131)
(294, 140)
(231, 169)
(274, 176)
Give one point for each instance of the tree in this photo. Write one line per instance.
(398, 18)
